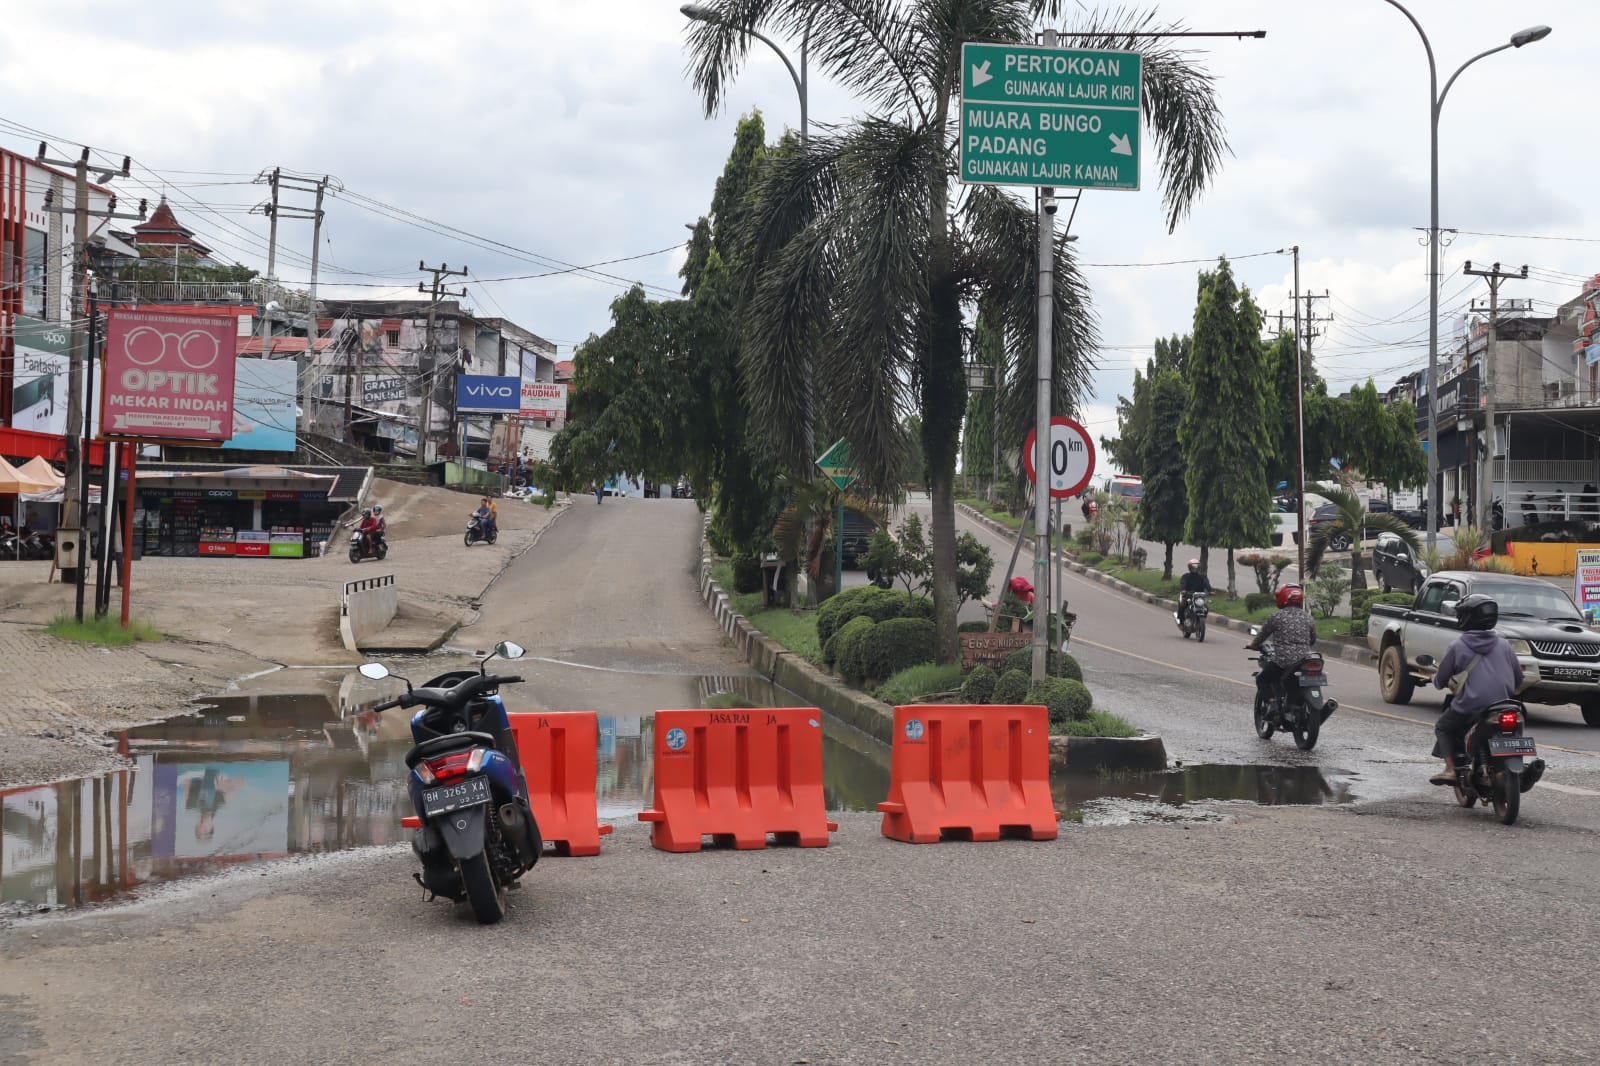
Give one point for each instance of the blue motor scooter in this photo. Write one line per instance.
(478, 835)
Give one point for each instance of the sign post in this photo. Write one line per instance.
(1063, 117)
(836, 466)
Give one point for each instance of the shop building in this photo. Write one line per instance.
(195, 509)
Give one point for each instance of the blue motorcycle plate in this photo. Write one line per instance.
(1503, 746)
(446, 798)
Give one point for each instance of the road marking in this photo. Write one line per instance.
(1571, 789)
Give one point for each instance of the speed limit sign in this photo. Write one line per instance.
(1071, 457)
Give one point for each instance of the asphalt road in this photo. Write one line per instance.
(1393, 930)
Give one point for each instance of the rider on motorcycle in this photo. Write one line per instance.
(489, 514)
(1480, 669)
(1292, 632)
(1191, 582)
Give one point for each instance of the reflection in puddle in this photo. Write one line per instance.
(260, 777)
(1183, 795)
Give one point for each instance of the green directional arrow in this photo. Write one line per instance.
(836, 466)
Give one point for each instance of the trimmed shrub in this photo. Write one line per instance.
(894, 644)
(979, 685)
(1066, 700)
(869, 601)
(1057, 664)
(973, 627)
(1090, 558)
(1012, 688)
(1361, 610)
(746, 573)
(1254, 601)
(840, 648)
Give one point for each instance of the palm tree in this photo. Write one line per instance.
(1351, 524)
(864, 265)
(805, 530)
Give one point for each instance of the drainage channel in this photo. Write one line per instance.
(253, 778)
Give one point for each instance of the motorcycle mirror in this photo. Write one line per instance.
(376, 671)
(1255, 631)
(508, 650)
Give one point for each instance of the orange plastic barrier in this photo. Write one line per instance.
(971, 773)
(737, 776)
(558, 752)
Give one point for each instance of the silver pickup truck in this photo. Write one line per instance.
(1560, 654)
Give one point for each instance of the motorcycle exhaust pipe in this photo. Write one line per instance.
(1531, 775)
(1328, 709)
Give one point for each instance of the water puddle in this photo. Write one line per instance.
(1196, 793)
(261, 777)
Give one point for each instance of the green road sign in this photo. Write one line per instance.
(836, 466)
(1049, 116)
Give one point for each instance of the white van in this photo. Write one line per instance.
(1285, 527)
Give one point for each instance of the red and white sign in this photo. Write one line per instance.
(168, 377)
(1071, 457)
(543, 399)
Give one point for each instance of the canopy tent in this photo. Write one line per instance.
(37, 469)
(14, 481)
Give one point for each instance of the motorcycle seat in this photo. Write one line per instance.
(445, 745)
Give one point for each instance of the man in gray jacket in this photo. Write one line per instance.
(1480, 669)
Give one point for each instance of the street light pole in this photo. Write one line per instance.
(1435, 105)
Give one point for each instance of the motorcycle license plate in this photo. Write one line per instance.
(1571, 673)
(1503, 746)
(446, 798)
(1313, 682)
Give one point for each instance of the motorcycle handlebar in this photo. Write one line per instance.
(388, 705)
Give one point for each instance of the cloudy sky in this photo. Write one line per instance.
(525, 137)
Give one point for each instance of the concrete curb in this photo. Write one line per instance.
(876, 718)
(1355, 653)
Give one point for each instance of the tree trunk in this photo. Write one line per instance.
(1358, 571)
(1166, 569)
(1205, 560)
(1233, 589)
(941, 492)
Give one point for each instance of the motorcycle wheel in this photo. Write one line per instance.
(1464, 798)
(1264, 728)
(488, 900)
(355, 555)
(1507, 797)
(466, 538)
(493, 537)
(1306, 733)
(1200, 629)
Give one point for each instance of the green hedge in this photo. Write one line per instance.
(840, 650)
(973, 627)
(871, 602)
(746, 573)
(1361, 601)
(1012, 688)
(1066, 700)
(1058, 664)
(979, 686)
(884, 649)
(1255, 601)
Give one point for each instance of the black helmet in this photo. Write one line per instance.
(1477, 612)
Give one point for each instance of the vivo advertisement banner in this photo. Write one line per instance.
(264, 405)
(487, 395)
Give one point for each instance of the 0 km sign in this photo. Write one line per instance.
(1071, 457)
(1049, 116)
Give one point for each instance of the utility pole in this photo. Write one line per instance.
(275, 209)
(428, 363)
(72, 497)
(1486, 471)
(1302, 527)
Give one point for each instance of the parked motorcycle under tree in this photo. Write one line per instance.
(1505, 746)
(446, 798)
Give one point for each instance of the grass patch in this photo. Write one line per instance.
(795, 630)
(105, 630)
(914, 682)
(1150, 581)
(1098, 724)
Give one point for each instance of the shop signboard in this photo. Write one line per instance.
(39, 379)
(265, 401)
(543, 399)
(1587, 582)
(169, 377)
(481, 394)
(386, 388)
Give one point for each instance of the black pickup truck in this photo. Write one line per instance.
(1560, 654)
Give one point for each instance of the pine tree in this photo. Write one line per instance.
(1225, 434)
(1164, 464)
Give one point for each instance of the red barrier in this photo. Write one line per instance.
(737, 776)
(558, 752)
(972, 773)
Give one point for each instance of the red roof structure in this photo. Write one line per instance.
(163, 231)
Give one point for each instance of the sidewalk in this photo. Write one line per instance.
(223, 619)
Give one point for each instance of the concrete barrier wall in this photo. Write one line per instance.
(366, 609)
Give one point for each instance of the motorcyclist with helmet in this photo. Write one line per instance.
(1292, 633)
(1192, 581)
(369, 529)
(1480, 669)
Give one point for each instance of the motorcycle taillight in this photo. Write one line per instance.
(1508, 721)
(446, 767)
(1311, 666)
